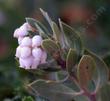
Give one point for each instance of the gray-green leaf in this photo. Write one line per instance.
(56, 32)
(85, 70)
(46, 16)
(53, 91)
(71, 60)
(39, 26)
(102, 70)
(72, 38)
(50, 46)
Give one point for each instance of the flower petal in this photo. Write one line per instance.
(18, 52)
(16, 33)
(27, 41)
(36, 41)
(43, 57)
(26, 63)
(25, 52)
(20, 40)
(35, 63)
(37, 53)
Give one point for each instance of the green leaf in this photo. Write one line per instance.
(62, 76)
(56, 32)
(85, 70)
(46, 16)
(71, 60)
(53, 25)
(63, 43)
(42, 30)
(28, 98)
(104, 93)
(72, 38)
(31, 22)
(39, 26)
(53, 91)
(50, 46)
(102, 70)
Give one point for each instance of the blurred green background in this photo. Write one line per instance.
(91, 18)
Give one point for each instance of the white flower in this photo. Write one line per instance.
(18, 52)
(28, 52)
(25, 52)
(36, 41)
(43, 57)
(35, 63)
(16, 33)
(27, 41)
(37, 53)
(26, 63)
(21, 62)
(20, 40)
(22, 31)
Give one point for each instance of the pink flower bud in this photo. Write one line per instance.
(37, 53)
(16, 33)
(35, 63)
(43, 57)
(23, 30)
(21, 62)
(36, 41)
(26, 63)
(25, 52)
(26, 41)
(20, 40)
(18, 52)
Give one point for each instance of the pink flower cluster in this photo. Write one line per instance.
(29, 52)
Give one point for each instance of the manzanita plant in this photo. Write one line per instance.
(72, 72)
